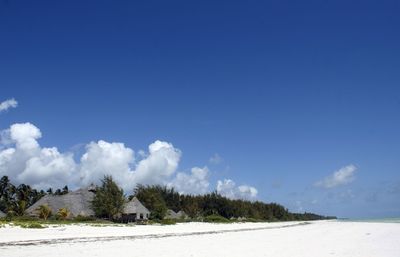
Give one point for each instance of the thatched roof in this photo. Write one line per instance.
(171, 214)
(135, 206)
(182, 214)
(2, 214)
(176, 215)
(77, 202)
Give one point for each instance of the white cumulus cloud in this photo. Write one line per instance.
(159, 165)
(228, 188)
(7, 104)
(24, 135)
(343, 176)
(24, 160)
(104, 158)
(194, 183)
(49, 168)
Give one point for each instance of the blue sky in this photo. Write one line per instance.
(285, 92)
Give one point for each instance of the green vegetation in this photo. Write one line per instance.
(109, 202)
(153, 200)
(168, 222)
(30, 225)
(249, 220)
(109, 199)
(216, 219)
(16, 199)
(63, 213)
(80, 218)
(44, 211)
(32, 222)
(159, 198)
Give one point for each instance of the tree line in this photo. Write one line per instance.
(158, 199)
(109, 202)
(16, 199)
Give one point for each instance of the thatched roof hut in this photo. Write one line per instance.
(135, 210)
(171, 215)
(182, 215)
(2, 214)
(176, 215)
(77, 202)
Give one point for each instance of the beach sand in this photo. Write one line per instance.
(281, 239)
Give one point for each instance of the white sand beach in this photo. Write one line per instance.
(283, 239)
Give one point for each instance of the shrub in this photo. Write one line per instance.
(81, 218)
(216, 219)
(30, 225)
(184, 220)
(253, 220)
(24, 218)
(10, 215)
(167, 222)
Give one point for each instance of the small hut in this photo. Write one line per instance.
(171, 215)
(182, 215)
(176, 215)
(77, 202)
(134, 210)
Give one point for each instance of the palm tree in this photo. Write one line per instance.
(7, 194)
(21, 207)
(65, 190)
(44, 211)
(63, 213)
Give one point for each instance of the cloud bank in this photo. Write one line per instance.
(25, 161)
(7, 104)
(343, 176)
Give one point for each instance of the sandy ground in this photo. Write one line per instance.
(291, 239)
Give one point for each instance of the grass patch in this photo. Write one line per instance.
(23, 219)
(152, 222)
(30, 225)
(252, 220)
(32, 222)
(80, 218)
(216, 219)
(167, 222)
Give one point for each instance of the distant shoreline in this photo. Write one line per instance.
(375, 220)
